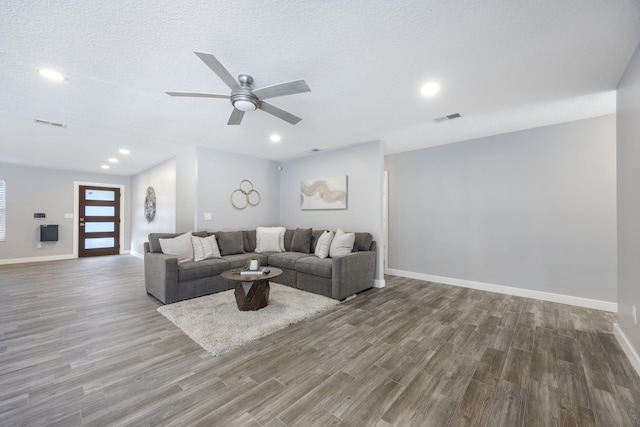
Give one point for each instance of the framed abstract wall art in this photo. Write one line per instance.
(325, 193)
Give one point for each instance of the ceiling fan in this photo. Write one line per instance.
(243, 98)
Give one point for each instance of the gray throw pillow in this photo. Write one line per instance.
(362, 242)
(301, 240)
(230, 242)
(288, 238)
(249, 240)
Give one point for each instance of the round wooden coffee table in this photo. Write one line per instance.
(252, 290)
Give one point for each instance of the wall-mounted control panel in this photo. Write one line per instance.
(39, 215)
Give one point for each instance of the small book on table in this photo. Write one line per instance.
(252, 272)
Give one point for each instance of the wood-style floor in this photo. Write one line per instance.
(81, 343)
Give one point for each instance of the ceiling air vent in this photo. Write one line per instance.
(46, 122)
(448, 117)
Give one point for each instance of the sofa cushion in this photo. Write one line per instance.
(363, 241)
(301, 241)
(316, 266)
(205, 248)
(324, 243)
(230, 242)
(192, 270)
(249, 240)
(179, 246)
(342, 243)
(270, 239)
(288, 239)
(286, 259)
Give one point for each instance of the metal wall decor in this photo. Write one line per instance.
(245, 195)
(150, 204)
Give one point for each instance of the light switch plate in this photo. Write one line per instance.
(208, 216)
(68, 215)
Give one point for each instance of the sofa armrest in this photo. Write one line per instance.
(161, 276)
(352, 273)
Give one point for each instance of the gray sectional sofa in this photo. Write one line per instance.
(337, 277)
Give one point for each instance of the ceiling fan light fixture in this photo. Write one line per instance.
(243, 105)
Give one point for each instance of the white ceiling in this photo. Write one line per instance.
(503, 64)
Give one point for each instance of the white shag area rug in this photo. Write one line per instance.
(216, 324)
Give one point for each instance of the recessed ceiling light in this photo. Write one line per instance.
(123, 151)
(51, 74)
(105, 166)
(430, 89)
(113, 160)
(275, 138)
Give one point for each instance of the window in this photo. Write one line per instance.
(2, 208)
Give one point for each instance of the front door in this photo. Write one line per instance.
(99, 221)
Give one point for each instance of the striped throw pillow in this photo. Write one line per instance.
(205, 248)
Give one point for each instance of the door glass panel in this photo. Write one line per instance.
(103, 242)
(104, 195)
(99, 211)
(99, 227)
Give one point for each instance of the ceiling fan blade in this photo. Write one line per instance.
(281, 114)
(215, 65)
(236, 117)
(282, 89)
(198, 95)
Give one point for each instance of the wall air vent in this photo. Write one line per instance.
(448, 117)
(46, 122)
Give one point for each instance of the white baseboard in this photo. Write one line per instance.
(54, 258)
(627, 347)
(36, 259)
(508, 290)
(379, 283)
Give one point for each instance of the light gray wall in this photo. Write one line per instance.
(163, 180)
(534, 209)
(219, 174)
(363, 164)
(186, 181)
(628, 134)
(30, 190)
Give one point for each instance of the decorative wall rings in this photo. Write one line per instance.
(245, 195)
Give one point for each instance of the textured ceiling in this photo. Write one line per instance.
(503, 64)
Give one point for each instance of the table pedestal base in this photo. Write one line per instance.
(252, 296)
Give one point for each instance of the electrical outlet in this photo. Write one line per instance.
(39, 246)
(208, 216)
(635, 318)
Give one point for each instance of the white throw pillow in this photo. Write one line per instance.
(205, 248)
(270, 239)
(179, 246)
(323, 245)
(342, 243)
